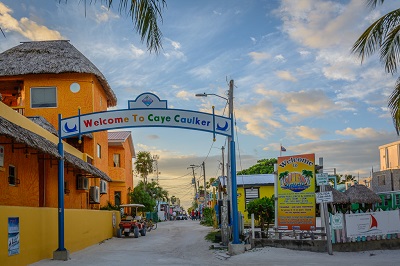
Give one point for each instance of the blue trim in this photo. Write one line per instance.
(213, 123)
(235, 215)
(60, 189)
(79, 124)
(136, 126)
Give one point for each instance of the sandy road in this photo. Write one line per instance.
(182, 243)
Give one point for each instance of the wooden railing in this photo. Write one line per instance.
(19, 109)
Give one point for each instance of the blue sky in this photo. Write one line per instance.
(296, 82)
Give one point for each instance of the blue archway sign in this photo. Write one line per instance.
(147, 110)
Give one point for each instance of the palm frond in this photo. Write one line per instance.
(373, 3)
(145, 15)
(390, 50)
(393, 104)
(375, 36)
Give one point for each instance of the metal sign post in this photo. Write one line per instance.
(326, 197)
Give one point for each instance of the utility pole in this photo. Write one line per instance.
(194, 180)
(205, 183)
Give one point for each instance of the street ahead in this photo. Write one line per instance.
(182, 243)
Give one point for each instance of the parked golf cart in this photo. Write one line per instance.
(129, 224)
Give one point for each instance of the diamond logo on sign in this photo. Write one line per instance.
(147, 100)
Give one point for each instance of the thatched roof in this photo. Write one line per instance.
(361, 194)
(23, 136)
(50, 57)
(41, 121)
(84, 166)
(338, 197)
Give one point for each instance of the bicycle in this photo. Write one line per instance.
(151, 225)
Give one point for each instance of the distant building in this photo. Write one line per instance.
(250, 187)
(386, 181)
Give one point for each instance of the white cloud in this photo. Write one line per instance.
(259, 57)
(320, 24)
(105, 15)
(136, 52)
(280, 58)
(26, 27)
(308, 103)
(285, 75)
(307, 132)
(258, 118)
(366, 132)
(185, 95)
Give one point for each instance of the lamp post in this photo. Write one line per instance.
(232, 163)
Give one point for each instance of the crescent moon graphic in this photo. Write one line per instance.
(69, 130)
(224, 128)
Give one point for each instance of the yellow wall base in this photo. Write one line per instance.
(38, 229)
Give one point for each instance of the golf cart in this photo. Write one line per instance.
(129, 224)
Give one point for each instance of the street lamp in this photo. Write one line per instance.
(232, 163)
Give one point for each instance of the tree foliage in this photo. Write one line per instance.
(264, 166)
(383, 36)
(263, 209)
(342, 179)
(148, 195)
(146, 16)
(144, 164)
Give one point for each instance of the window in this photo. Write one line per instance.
(251, 194)
(397, 199)
(381, 180)
(116, 157)
(98, 150)
(42, 97)
(117, 198)
(66, 187)
(12, 179)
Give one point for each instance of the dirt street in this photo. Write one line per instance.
(182, 243)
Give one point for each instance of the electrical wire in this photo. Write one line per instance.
(238, 149)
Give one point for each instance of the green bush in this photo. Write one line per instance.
(208, 214)
(263, 209)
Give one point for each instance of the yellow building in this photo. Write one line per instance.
(250, 187)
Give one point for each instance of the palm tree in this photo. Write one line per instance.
(144, 164)
(145, 15)
(383, 35)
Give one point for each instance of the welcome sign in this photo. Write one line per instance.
(146, 111)
(296, 191)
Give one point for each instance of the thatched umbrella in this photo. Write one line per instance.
(361, 194)
(338, 197)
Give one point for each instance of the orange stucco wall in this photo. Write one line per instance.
(122, 175)
(90, 98)
(26, 193)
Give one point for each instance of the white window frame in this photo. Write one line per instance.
(52, 104)
(117, 159)
(251, 193)
(98, 150)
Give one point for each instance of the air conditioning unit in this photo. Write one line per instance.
(103, 187)
(94, 195)
(82, 183)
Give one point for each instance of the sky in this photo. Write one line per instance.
(297, 84)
